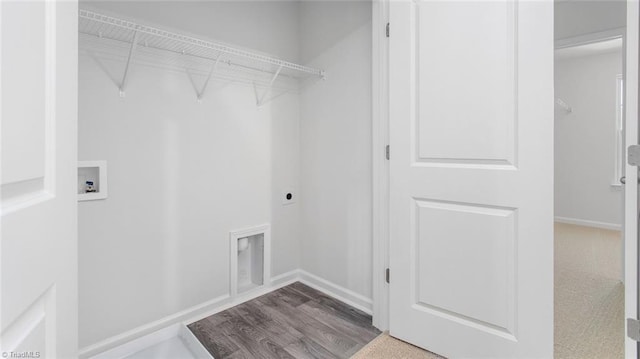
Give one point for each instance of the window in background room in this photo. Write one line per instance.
(619, 160)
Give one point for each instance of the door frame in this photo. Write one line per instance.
(380, 171)
(380, 140)
(630, 73)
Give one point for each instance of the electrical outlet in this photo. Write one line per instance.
(289, 196)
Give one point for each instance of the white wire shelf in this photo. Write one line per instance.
(109, 37)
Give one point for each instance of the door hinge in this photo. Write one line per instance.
(633, 329)
(387, 29)
(386, 275)
(387, 152)
(633, 155)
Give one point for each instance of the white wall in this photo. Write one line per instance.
(269, 26)
(335, 136)
(182, 175)
(585, 139)
(580, 17)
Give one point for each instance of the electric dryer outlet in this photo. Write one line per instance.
(289, 196)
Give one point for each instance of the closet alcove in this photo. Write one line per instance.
(214, 117)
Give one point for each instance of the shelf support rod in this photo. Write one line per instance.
(206, 82)
(273, 79)
(134, 43)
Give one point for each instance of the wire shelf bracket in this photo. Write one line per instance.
(123, 83)
(260, 99)
(200, 92)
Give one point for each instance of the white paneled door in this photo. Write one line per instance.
(471, 131)
(38, 247)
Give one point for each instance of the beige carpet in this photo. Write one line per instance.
(387, 347)
(589, 300)
(589, 296)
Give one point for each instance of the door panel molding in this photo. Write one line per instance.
(494, 291)
(463, 110)
(34, 330)
(31, 186)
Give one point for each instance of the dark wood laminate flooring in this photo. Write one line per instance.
(292, 322)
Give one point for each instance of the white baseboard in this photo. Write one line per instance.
(149, 334)
(144, 342)
(587, 223)
(194, 345)
(140, 343)
(147, 330)
(277, 282)
(186, 316)
(343, 294)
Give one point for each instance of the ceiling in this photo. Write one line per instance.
(596, 48)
